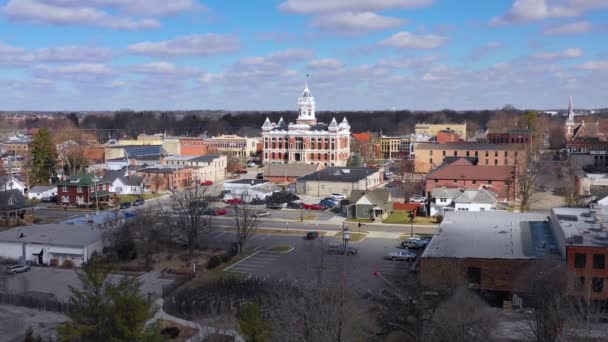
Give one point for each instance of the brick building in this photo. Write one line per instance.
(447, 136)
(204, 168)
(288, 173)
(390, 147)
(83, 190)
(430, 155)
(166, 177)
(463, 174)
(196, 147)
(433, 129)
(306, 141)
(520, 136)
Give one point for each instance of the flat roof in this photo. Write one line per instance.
(492, 235)
(583, 226)
(248, 181)
(339, 174)
(63, 234)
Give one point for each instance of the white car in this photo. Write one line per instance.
(265, 213)
(418, 199)
(402, 256)
(337, 196)
(251, 164)
(14, 269)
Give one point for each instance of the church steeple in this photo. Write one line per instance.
(570, 111)
(570, 125)
(306, 105)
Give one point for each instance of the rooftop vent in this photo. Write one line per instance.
(577, 239)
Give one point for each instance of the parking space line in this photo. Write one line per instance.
(265, 237)
(249, 265)
(229, 267)
(255, 236)
(259, 262)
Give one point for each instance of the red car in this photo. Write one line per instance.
(313, 206)
(234, 201)
(221, 212)
(207, 183)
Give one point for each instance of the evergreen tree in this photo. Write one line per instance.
(103, 311)
(252, 324)
(42, 157)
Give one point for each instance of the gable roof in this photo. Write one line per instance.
(586, 130)
(131, 180)
(472, 172)
(95, 154)
(444, 192)
(82, 180)
(459, 160)
(476, 196)
(12, 199)
(289, 170)
(5, 182)
(42, 188)
(376, 196)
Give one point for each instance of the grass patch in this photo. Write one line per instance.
(132, 198)
(280, 248)
(362, 220)
(354, 237)
(306, 217)
(401, 217)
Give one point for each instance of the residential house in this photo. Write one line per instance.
(341, 180)
(288, 173)
(463, 174)
(83, 190)
(123, 183)
(166, 177)
(249, 189)
(13, 205)
(443, 199)
(8, 182)
(475, 200)
(116, 164)
(39, 192)
(51, 244)
(368, 204)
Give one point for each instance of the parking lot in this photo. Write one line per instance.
(309, 262)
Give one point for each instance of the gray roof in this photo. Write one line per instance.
(42, 188)
(582, 226)
(444, 192)
(19, 201)
(469, 146)
(339, 174)
(491, 235)
(61, 234)
(376, 196)
(476, 196)
(207, 158)
(289, 170)
(248, 181)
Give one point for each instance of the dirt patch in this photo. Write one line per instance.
(175, 332)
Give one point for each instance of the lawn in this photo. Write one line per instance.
(362, 220)
(354, 237)
(403, 218)
(132, 198)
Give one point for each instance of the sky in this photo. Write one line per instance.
(256, 54)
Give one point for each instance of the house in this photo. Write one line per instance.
(249, 189)
(443, 199)
(83, 190)
(475, 200)
(288, 173)
(339, 180)
(8, 182)
(40, 192)
(51, 244)
(122, 183)
(463, 174)
(370, 204)
(488, 251)
(13, 207)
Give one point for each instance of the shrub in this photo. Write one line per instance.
(438, 218)
(67, 263)
(54, 262)
(214, 262)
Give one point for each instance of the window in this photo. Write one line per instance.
(64, 189)
(580, 260)
(489, 182)
(496, 154)
(455, 180)
(516, 153)
(443, 153)
(431, 152)
(474, 275)
(455, 153)
(579, 283)
(79, 189)
(436, 180)
(599, 261)
(431, 161)
(495, 161)
(597, 284)
(487, 154)
(468, 153)
(474, 181)
(476, 154)
(506, 154)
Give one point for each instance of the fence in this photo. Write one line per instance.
(35, 302)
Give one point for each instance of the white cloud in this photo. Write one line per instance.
(481, 51)
(568, 53)
(38, 11)
(290, 55)
(81, 68)
(594, 65)
(72, 53)
(350, 21)
(528, 10)
(409, 40)
(327, 6)
(193, 45)
(325, 63)
(570, 28)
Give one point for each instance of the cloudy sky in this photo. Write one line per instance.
(255, 54)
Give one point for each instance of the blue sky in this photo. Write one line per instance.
(254, 55)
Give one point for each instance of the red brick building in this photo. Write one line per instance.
(166, 177)
(463, 174)
(83, 190)
(196, 147)
(447, 136)
(522, 136)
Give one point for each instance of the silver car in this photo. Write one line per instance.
(402, 256)
(14, 269)
(264, 213)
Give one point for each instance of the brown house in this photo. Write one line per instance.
(463, 174)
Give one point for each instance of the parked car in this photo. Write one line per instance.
(312, 206)
(337, 196)
(341, 249)
(234, 201)
(257, 201)
(327, 203)
(215, 211)
(138, 202)
(418, 199)
(294, 205)
(251, 164)
(275, 206)
(240, 172)
(49, 199)
(260, 175)
(264, 213)
(125, 205)
(312, 235)
(282, 197)
(14, 269)
(402, 256)
(414, 243)
(207, 183)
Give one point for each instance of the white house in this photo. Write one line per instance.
(40, 192)
(476, 200)
(51, 244)
(444, 199)
(10, 182)
(123, 183)
(249, 189)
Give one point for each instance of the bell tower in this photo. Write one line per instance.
(306, 105)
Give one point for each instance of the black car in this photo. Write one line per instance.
(312, 235)
(260, 175)
(139, 201)
(294, 205)
(257, 201)
(125, 205)
(274, 206)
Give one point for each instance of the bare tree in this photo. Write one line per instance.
(245, 222)
(157, 182)
(189, 204)
(526, 172)
(572, 198)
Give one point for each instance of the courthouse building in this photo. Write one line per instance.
(306, 141)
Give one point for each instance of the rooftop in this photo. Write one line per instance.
(339, 174)
(248, 181)
(468, 146)
(476, 196)
(583, 226)
(495, 235)
(472, 172)
(289, 170)
(63, 234)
